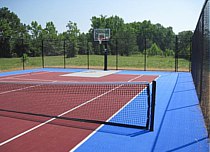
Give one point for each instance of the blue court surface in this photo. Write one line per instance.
(178, 126)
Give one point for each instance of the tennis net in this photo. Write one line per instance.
(126, 104)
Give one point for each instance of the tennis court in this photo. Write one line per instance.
(80, 99)
(93, 110)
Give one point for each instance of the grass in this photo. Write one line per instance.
(96, 61)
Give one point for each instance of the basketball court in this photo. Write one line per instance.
(93, 110)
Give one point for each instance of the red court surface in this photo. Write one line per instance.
(24, 133)
(56, 76)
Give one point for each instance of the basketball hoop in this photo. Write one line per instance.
(101, 35)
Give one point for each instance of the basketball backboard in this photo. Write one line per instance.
(101, 35)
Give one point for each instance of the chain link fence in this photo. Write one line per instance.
(123, 53)
(200, 62)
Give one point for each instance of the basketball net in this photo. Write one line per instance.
(101, 37)
(100, 40)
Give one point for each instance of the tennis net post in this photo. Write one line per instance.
(153, 106)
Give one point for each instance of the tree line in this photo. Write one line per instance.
(17, 38)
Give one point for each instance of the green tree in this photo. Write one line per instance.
(153, 33)
(49, 32)
(127, 42)
(72, 35)
(9, 23)
(82, 44)
(35, 29)
(52, 46)
(99, 22)
(168, 52)
(10, 27)
(184, 40)
(154, 50)
(35, 40)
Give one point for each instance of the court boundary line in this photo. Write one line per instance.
(4, 92)
(78, 106)
(18, 89)
(39, 80)
(22, 75)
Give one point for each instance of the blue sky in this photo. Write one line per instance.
(179, 14)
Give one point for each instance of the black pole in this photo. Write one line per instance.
(201, 60)
(64, 53)
(153, 105)
(176, 54)
(145, 54)
(116, 54)
(190, 54)
(105, 57)
(149, 106)
(88, 57)
(177, 60)
(23, 53)
(43, 53)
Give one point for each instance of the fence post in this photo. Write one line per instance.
(116, 43)
(64, 53)
(201, 61)
(145, 54)
(176, 54)
(190, 54)
(88, 56)
(23, 57)
(42, 53)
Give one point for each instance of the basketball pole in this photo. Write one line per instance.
(105, 56)
(103, 36)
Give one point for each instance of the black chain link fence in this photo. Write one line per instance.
(200, 62)
(123, 53)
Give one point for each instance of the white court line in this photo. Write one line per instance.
(41, 80)
(46, 122)
(25, 132)
(85, 139)
(22, 75)
(21, 88)
(17, 89)
(30, 80)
